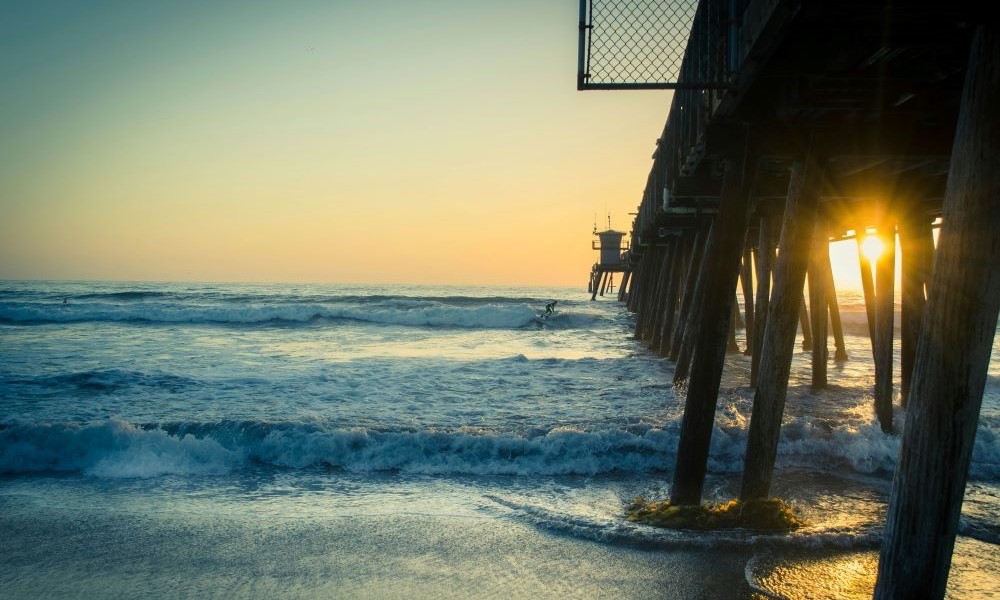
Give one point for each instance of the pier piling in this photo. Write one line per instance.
(765, 260)
(693, 320)
(673, 291)
(914, 238)
(954, 349)
(885, 276)
(661, 296)
(805, 323)
(797, 233)
(746, 286)
(819, 258)
(867, 285)
(840, 353)
(693, 264)
(722, 258)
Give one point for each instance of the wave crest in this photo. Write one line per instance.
(423, 314)
(117, 448)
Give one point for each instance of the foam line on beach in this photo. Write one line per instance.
(616, 529)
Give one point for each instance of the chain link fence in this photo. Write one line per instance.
(642, 44)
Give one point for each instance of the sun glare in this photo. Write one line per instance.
(872, 247)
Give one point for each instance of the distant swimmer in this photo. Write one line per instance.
(65, 300)
(550, 307)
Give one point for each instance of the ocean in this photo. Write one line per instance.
(266, 440)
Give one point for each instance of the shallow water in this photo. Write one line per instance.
(388, 441)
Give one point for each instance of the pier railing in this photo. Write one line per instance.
(654, 44)
(703, 77)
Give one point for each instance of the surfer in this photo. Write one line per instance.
(550, 307)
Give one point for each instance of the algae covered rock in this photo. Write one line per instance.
(770, 514)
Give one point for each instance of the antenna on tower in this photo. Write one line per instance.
(595, 222)
(609, 221)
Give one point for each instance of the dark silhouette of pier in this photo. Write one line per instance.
(795, 123)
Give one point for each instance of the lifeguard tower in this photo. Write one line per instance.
(611, 261)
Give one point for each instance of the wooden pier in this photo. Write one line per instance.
(796, 123)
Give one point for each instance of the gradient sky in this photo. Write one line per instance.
(429, 141)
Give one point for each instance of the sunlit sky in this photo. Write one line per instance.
(429, 141)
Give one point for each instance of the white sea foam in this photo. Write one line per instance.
(116, 448)
(112, 449)
(422, 314)
(614, 528)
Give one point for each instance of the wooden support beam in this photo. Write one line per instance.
(682, 366)
(819, 258)
(867, 285)
(604, 282)
(642, 300)
(732, 347)
(915, 241)
(769, 226)
(690, 285)
(840, 354)
(885, 277)
(635, 294)
(746, 286)
(779, 335)
(648, 292)
(661, 296)
(805, 323)
(721, 271)
(673, 292)
(623, 288)
(954, 350)
(630, 294)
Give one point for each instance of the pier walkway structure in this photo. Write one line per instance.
(795, 123)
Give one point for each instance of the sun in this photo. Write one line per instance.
(872, 247)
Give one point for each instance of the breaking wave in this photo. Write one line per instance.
(404, 313)
(118, 448)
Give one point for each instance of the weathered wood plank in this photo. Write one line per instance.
(805, 324)
(914, 239)
(867, 286)
(779, 335)
(682, 366)
(690, 290)
(746, 285)
(673, 293)
(721, 271)
(765, 260)
(885, 283)
(840, 354)
(819, 257)
(954, 349)
(662, 290)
